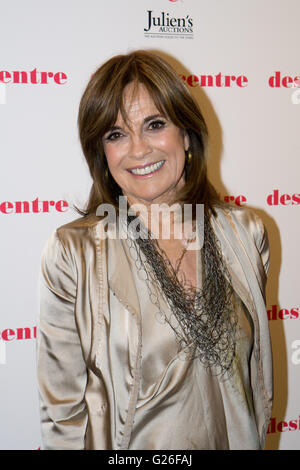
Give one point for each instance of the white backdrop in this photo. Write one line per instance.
(48, 52)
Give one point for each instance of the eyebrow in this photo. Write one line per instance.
(146, 120)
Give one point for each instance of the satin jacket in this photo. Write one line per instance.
(87, 398)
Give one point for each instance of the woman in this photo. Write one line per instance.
(148, 341)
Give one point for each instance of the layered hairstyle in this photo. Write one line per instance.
(100, 104)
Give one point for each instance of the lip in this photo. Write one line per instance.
(144, 166)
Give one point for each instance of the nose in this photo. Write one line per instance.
(140, 146)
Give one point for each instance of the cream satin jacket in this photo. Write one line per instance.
(88, 398)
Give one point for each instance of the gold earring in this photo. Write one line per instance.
(189, 157)
(106, 173)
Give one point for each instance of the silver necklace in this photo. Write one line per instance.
(203, 320)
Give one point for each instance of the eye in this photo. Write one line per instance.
(157, 124)
(115, 135)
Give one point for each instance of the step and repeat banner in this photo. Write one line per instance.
(240, 59)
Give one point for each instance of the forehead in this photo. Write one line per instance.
(137, 103)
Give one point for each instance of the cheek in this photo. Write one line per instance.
(113, 157)
(173, 145)
(114, 160)
(178, 152)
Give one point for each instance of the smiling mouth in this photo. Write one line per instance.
(146, 170)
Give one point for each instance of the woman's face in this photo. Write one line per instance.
(147, 160)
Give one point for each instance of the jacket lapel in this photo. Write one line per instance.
(236, 259)
(120, 281)
(120, 277)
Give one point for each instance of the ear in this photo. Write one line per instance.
(186, 140)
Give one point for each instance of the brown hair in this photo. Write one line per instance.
(98, 110)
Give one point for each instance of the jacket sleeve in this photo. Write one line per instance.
(262, 245)
(61, 368)
(252, 236)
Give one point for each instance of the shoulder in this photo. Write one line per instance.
(66, 248)
(76, 231)
(248, 228)
(245, 220)
(70, 239)
(81, 223)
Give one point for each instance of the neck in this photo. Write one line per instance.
(164, 221)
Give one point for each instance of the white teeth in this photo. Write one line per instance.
(147, 169)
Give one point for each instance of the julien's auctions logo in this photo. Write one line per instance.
(164, 24)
